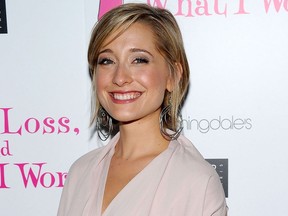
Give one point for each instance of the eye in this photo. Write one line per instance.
(140, 60)
(105, 61)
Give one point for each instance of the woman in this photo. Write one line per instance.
(140, 75)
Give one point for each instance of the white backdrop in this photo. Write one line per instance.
(236, 108)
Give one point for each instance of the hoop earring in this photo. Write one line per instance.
(104, 125)
(164, 116)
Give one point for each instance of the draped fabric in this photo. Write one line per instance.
(178, 182)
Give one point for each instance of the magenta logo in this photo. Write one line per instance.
(30, 173)
(105, 6)
(196, 8)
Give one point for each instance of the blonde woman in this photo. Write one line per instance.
(140, 76)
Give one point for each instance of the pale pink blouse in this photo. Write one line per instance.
(178, 182)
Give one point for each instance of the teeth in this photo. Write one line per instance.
(127, 96)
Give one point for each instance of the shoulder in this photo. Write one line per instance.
(193, 180)
(87, 159)
(188, 162)
(78, 183)
(199, 176)
(83, 165)
(190, 159)
(92, 158)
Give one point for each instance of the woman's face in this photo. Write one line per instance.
(131, 75)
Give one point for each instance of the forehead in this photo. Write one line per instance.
(136, 32)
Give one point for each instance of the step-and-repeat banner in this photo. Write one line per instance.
(236, 112)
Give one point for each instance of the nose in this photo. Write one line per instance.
(122, 75)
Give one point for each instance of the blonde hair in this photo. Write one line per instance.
(168, 40)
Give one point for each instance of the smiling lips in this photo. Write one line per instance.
(125, 96)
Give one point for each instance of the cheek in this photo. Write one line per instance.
(101, 82)
(156, 80)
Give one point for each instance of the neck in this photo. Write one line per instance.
(141, 138)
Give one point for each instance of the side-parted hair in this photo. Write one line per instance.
(168, 41)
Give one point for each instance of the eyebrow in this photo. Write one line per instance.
(106, 51)
(133, 50)
(140, 50)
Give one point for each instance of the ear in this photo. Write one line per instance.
(174, 77)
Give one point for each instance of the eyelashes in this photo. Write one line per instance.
(105, 61)
(140, 60)
(108, 61)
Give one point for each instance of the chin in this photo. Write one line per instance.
(126, 120)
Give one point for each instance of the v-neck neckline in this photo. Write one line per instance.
(106, 166)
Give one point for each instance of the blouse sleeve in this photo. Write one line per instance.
(65, 197)
(214, 202)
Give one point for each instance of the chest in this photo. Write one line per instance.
(120, 173)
